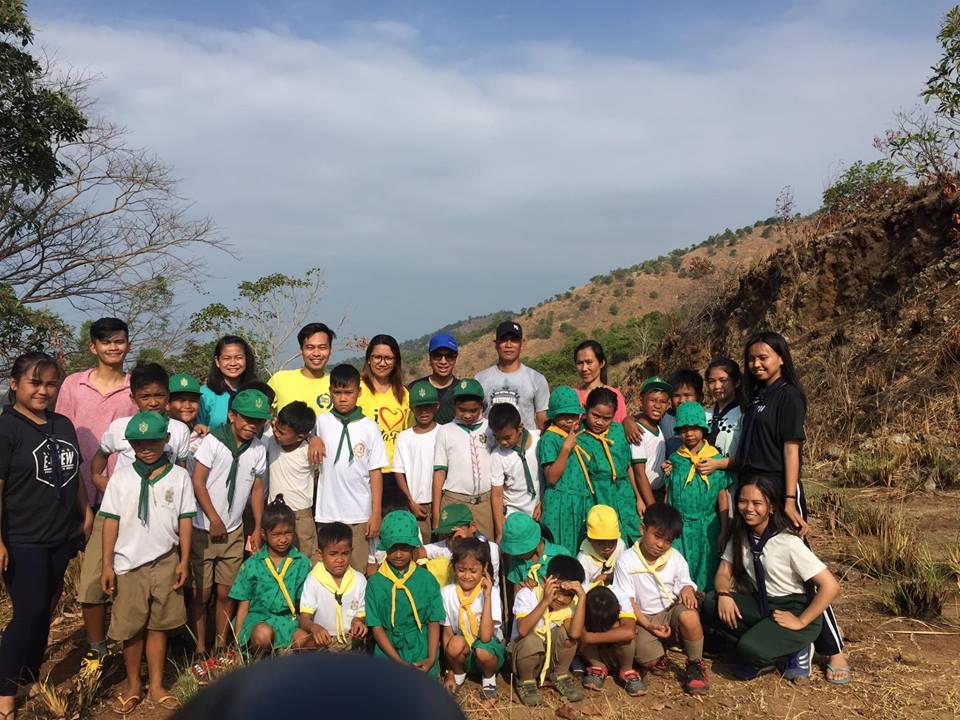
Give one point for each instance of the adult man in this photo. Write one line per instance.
(512, 381)
(442, 354)
(310, 383)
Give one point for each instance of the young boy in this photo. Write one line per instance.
(686, 386)
(147, 509)
(514, 470)
(332, 606)
(461, 463)
(403, 602)
(230, 466)
(290, 472)
(547, 625)
(456, 523)
(351, 477)
(649, 455)
(608, 642)
(653, 583)
(184, 405)
(528, 553)
(599, 552)
(413, 455)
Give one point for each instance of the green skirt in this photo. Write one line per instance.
(283, 628)
(565, 516)
(619, 495)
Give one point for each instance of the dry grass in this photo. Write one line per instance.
(73, 701)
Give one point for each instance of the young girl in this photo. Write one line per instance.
(724, 381)
(608, 642)
(472, 636)
(269, 586)
(568, 492)
(778, 621)
(609, 466)
(233, 365)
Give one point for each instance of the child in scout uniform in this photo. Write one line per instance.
(653, 583)
(290, 472)
(649, 455)
(514, 470)
(229, 468)
(147, 510)
(528, 553)
(403, 602)
(332, 606)
(269, 585)
(413, 455)
(184, 405)
(701, 499)
(602, 546)
(548, 622)
(608, 642)
(461, 464)
(351, 478)
(568, 492)
(472, 636)
(456, 525)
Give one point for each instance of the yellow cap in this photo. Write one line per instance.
(602, 523)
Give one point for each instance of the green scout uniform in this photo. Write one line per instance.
(618, 493)
(268, 604)
(566, 504)
(521, 536)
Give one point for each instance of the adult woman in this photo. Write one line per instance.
(233, 365)
(44, 515)
(591, 362)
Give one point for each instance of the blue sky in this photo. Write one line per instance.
(447, 159)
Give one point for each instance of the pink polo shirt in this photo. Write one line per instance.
(621, 413)
(91, 412)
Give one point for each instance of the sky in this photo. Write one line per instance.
(440, 160)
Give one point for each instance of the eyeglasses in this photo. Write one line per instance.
(383, 359)
(443, 356)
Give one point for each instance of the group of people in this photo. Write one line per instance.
(343, 510)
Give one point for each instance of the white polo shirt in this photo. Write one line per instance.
(319, 601)
(413, 456)
(506, 470)
(465, 455)
(787, 563)
(214, 455)
(632, 581)
(651, 453)
(290, 474)
(593, 568)
(343, 492)
(113, 441)
(451, 608)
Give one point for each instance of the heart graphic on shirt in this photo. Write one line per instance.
(390, 418)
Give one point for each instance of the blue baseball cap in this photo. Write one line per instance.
(444, 341)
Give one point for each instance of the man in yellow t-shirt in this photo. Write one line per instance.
(311, 383)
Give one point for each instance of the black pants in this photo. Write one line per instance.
(33, 578)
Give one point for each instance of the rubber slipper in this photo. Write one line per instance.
(123, 706)
(167, 702)
(835, 681)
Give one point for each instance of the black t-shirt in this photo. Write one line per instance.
(39, 504)
(447, 411)
(777, 417)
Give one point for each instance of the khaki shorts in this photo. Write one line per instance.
(361, 546)
(145, 599)
(89, 591)
(648, 646)
(479, 505)
(215, 562)
(305, 534)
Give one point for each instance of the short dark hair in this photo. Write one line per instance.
(344, 375)
(663, 517)
(312, 329)
(472, 547)
(105, 327)
(688, 376)
(503, 415)
(278, 513)
(144, 374)
(602, 611)
(298, 416)
(332, 533)
(601, 396)
(566, 568)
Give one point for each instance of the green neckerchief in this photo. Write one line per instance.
(345, 420)
(469, 428)
(224, 433)
(145, 470)
(521, 450)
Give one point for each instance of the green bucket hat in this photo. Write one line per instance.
(183, 382)
(564, 401)
(452, 517)
(656, 383)
(691, 414)
(146, 425)
(468, 388)
(521, 534)
(251, 404)
(399, 528)
(423, 393)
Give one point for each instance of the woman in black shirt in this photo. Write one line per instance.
(43, 516)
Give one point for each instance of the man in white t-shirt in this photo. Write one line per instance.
(513, 382)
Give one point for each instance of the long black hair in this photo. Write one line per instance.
(779, 345)
(215, 379)
(396, 374)
(733, 371)
(770, 487)
(597, 349)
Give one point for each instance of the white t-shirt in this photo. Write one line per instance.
(593, 568)
(728, 432)
(651, 453)
(465, 455)
(524, 388)
(290, 474)
(440, 549)
(171, 498)
(343, 493)
(524, 603)
(787, 564)
(413, 456)
(113, 441)
(214, 455)
(318, 600)
(631, 581)
(506, 470)
(451, 606)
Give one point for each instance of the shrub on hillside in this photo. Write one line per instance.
(654, 295)
(614, 309)
(583, 305)
(543, 328)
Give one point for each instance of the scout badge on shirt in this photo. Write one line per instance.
(359, 450)
(168, 497)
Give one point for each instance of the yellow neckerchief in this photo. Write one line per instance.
(550, 618)
(400, 583)
(580, 454)
(328, 582)
(604, 566)
(470, 628)
(605, 443)
(278, 576)
(706, 451)
(659, 564)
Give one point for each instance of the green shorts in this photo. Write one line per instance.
(494, 647)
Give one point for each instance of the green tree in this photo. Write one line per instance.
(23, 328)
(863, 186)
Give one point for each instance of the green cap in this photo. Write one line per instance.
(564, 401)
(423, 393)
(251, 404)
(399, 528)
(655, 383)
(468, 388)
(691, 414)
(521, 534)
(183, 382)
(146, 425)
(452, 517)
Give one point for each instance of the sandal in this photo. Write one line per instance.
(167, 702)
(838, 676)
(123, 706)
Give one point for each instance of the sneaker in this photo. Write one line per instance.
(696, 682)
(798, 665)
(594, 678)
(567, 688)
(744, 671)
(529, 693)
(662, 667)
(489, 692)
(92, 663)
(633, 683)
